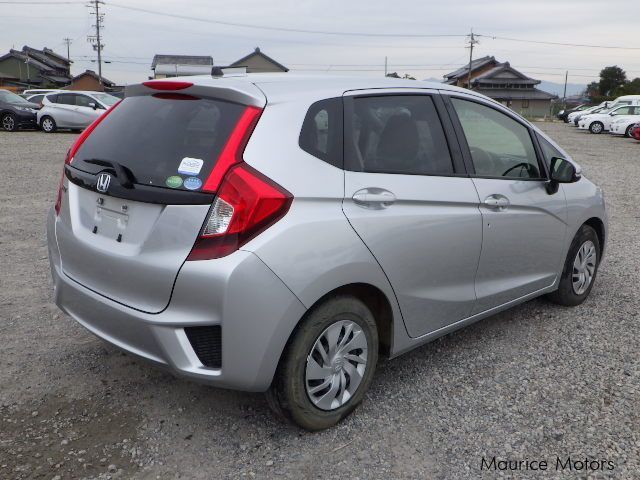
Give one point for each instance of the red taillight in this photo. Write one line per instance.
(87, 131)
(246, 204)
(167, 85)
(232, 152)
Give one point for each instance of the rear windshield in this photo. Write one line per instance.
(170, 141)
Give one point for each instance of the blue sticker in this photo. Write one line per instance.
(192, 183)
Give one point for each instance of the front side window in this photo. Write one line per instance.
(499, 145)
(397, 134)
(84, 101)
(623, 111)
(548, 150)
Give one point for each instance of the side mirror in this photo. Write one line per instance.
(561, 171)
(93, 105)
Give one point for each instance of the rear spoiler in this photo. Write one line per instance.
(230, 89)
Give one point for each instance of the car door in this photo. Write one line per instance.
(86, 113)
(410, 201)
(523, 224)
(63, 110)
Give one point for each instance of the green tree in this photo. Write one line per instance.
(611, 78)
(629, 88)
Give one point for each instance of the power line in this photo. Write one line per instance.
(542, 42)
(282, 29)
(41, 3)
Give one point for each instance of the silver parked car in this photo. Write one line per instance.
(72, 110)
(278, 233)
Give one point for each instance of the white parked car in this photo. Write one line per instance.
(624, 124)
(601, 122)
(72, 110)
(573, 116)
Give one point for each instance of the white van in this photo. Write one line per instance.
(626, 100)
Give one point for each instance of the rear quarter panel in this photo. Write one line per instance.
(313, 249)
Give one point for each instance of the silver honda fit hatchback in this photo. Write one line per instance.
(278, 233)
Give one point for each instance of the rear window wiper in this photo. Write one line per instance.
(123, 174)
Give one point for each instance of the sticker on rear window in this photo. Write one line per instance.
(173, 181)
(192, 183)
(190, 166)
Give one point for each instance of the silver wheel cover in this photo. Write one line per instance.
(336, 365)
(584, 267)
(8, 122)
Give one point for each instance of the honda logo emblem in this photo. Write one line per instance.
(104, 180)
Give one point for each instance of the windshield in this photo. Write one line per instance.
(10, 97)
(107, 99)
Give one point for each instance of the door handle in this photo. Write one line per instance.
(374, 198)
(497, 202)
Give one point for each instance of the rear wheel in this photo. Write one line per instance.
(9, 122)
(327, 365)
(596, 127)
(48, 124)
(580, 269)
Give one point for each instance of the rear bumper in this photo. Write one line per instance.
(255, 310)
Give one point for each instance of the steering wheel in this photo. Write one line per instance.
(530, 169)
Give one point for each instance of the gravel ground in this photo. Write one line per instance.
(536, 382)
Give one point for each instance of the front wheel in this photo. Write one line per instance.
(327, 365)
(48, 124)
(580, 269)
(9, 122)
(596, 127)
(627, 132)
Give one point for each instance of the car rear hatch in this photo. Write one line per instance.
(140, 181)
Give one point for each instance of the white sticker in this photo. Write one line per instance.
(190, 166)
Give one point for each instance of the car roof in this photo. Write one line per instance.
(327, 85)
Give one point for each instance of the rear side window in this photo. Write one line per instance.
(164, 140)
(397, 134)
(66, 99)
(321, 134)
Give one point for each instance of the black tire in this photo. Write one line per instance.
(566, 295)
(627, 132)
(596, 127)
(288, 396)
(9, 122)
(46, 126)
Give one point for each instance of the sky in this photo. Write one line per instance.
(131, 38)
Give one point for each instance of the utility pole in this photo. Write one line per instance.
(96, 40)
(472, 42)
(28, 71)
(68, 41)
(564, 95)
(385, 66)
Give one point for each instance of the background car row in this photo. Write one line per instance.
(51, 110)
(618, 117)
